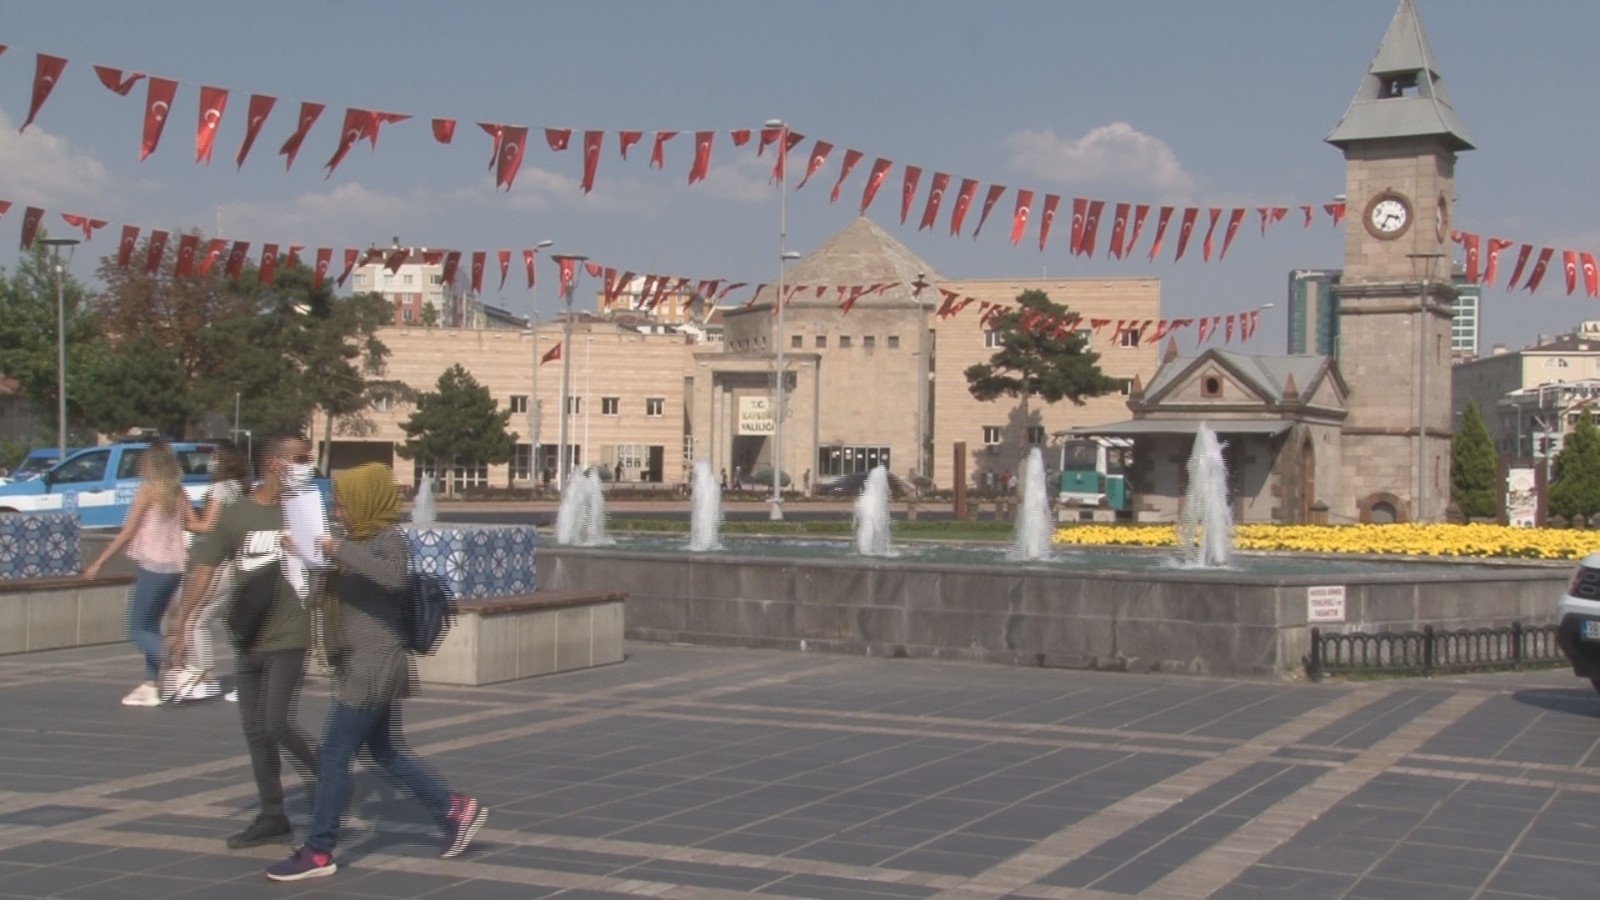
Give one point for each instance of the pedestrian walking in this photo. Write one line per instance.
(230, 482)
(373, 672)
(269, 627)
(153, 536)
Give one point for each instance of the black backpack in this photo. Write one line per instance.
(429, 612)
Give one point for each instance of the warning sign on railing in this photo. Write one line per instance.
(1324, 604)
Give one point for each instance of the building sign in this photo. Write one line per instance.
(1522, 499)
(755, 415)
(1325, 604)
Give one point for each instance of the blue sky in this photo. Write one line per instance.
(1222, 103)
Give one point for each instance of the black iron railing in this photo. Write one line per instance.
(1429, 650)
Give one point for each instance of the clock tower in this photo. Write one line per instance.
(1400, 138)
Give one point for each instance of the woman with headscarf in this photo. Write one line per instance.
(368, 593)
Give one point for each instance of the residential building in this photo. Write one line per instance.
(416, 288)
(1521, 392)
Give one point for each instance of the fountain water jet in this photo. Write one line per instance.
(581, 518)
(705, 515)
(872, 516)
(1205, 525)
(1034, 526)
(422, 511)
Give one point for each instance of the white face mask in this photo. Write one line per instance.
(297, 475)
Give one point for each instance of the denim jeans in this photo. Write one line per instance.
(376, 728)
(152, 591)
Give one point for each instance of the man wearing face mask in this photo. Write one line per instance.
(271, 646)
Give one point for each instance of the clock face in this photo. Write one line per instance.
(1388, 216)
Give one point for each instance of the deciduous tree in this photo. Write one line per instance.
(458, 423)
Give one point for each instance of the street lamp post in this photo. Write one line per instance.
(1422, 263)
(55, 245)
(533, 392)
(1263, 313)
(783, 262)
(567, 288)
(917, 287)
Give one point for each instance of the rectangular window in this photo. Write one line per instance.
(894, 342)
(1087, 334)
(844, 342)
(518, 404)
(991, 435)
(1128, 337)
(436, 279)
(1125, 386)
(405, 315)
(405, 279)
(991, 340)
(797, 341)
(869, 342)
(655, 406)
(383, 404)
(522, 462)
(1036, 435)
(610, 406)
(574, 406)
(822, 342)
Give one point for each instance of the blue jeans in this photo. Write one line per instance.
(377, 729)
(152, 591)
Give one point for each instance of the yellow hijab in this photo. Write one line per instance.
(367, 496)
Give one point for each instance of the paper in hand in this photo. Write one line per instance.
(306, 521)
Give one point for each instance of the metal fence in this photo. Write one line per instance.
(1429, 650)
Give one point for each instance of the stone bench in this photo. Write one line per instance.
(497, 639)
(56, 613)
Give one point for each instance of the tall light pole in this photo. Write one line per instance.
(55, 245)
(1262, 312)
(533, 393)
(1422, 263)
(917, 287)
(567, 287)
(783, 262)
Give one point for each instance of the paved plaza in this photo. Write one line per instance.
(692, 772)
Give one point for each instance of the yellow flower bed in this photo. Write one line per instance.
(1399, 540)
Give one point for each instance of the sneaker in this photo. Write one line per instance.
(202, 690)
(264, 830)
(143, 695)
(466, 816)
(231, 696)
(177, 684)
(305, 863)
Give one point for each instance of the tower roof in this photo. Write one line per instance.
(1402, 94)
(862, 254)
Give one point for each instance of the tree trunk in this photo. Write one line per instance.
(327, 445)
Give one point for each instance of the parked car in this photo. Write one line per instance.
(852, 484)
(36, 463)
(98, 483)
(1578, 620)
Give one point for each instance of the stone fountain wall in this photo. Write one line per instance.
(1220, 623)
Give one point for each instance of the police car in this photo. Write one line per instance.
(98, 483)
(1578, 615)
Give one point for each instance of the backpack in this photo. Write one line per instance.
(430, 611)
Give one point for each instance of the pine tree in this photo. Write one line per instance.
(1474, 468)
(1576, 488)
(458, 424)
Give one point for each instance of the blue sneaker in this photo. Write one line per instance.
(305, 863)
(466, 816)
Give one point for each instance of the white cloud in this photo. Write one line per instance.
(43, 169)
(1109, 155)
(748, 179)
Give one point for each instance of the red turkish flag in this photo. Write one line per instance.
(740, 136)
(452, 262)
(1335, 211)
(1493, 262)
(350, 256)
(130, 238)
(1307, 209)
(591, 157)
(626, 139)
(319, 269)
(930, 211)
(989, 200)
(1469, 243)
(768, 136)
(702, 155)
(84, 224)
(1184, 230)
(1162, 219)
(880, 170)
(1139, 212)
(964, 195)
(818, 158)
(1047, 219)
(1204, 329)
(527, 265)
(114, 82)
(504, 258)
(1205, 246)
(569, 273)
(308, 117)
(157, 107)
(658, 158)
(1235, 219)
(908, 190)
(1091, 226)
(268, 272)
(1538, 269)
(851, 157)
(1522, 260)
(380, 119)
(594, 270)
(46, 72)
(551, 355)
(294, 255)
(495, 133)
(508, 159)
(479, 257)
(31, 217)
(213, 101)
(444, 130)
(791, 139)
(1569, 262)
(188, 248)
(1119, 228)
(153, 253)
(1591, 275)
(357, 124)
(1228, 334)
(5, 205)
(1019, 215)
(1080, 214)
(260, 107)
(557, 138)
(213, 253)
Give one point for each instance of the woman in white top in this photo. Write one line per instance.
(230, 482)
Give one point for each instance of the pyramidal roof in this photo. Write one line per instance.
(861, 254)
(1402, 94)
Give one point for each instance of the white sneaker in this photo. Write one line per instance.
(143, 695)
(203, 690)
(176, 684)
(231, 696)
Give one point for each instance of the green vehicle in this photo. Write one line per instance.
(1094, 477)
